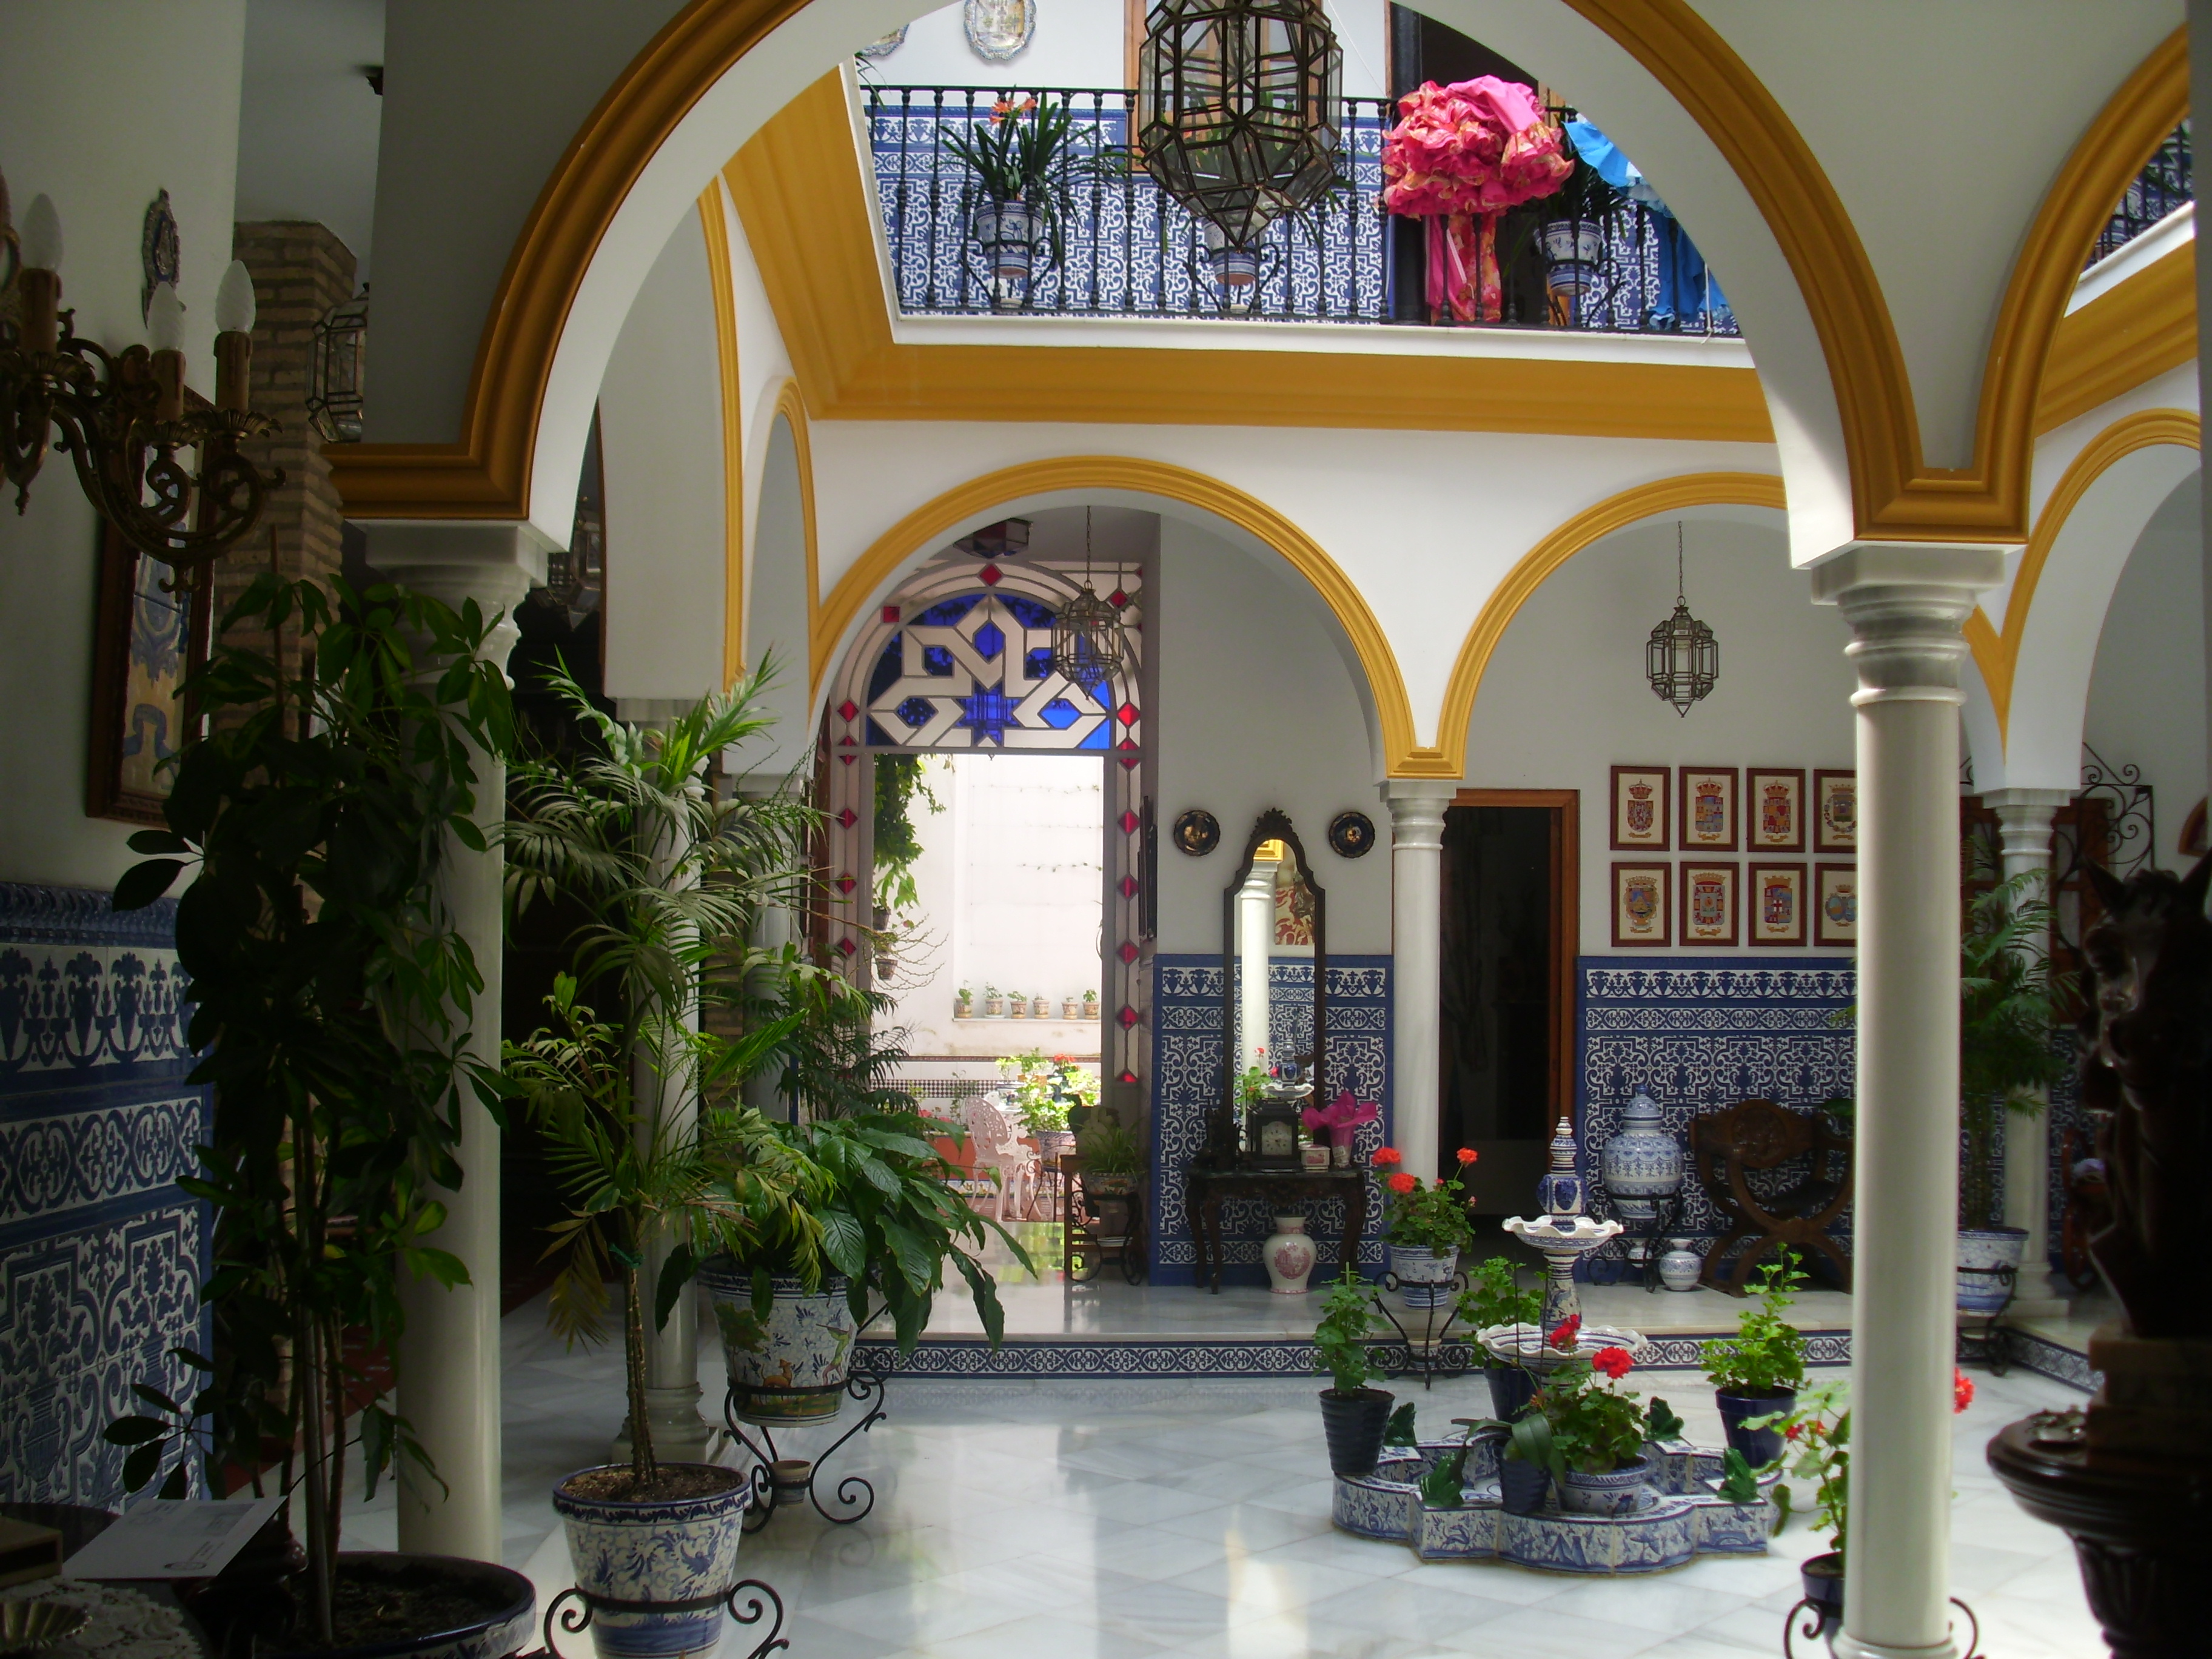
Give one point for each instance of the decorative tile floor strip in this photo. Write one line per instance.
(2041, 1355)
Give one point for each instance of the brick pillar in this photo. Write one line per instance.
(300, 270)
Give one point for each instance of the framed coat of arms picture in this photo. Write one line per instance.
(1774, 809)
(1708, 902)
(1639, 905)
(1836, 904)
(1835, 811)
(1774, 906)
(1707, 821)
(1639, 807)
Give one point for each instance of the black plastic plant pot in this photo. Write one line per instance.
(1354, 1424)
(1521, 1485)
(1511, 1389)
(1822, 1576)
(1759, 1447)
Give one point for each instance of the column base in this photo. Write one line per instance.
(1847, 1646)
(680, 1434)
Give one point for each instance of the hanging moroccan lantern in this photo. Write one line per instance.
(1237, 109)
(1088, 646)
(1682, 660)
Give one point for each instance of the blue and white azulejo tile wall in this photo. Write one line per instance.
(1187, 1049)
(1698, 1034)
(101, 1254)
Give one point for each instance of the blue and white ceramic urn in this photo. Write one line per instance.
(678, 1554)
(1561, 1190)
(1642, 1164)
(791, 1366)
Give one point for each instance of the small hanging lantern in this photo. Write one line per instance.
(1088, 647)
(1682, 660)
(334, 370)
(1238, 109)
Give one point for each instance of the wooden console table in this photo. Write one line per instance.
(1207, 1189)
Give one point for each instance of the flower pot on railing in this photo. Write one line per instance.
(1008, 233)
(1235, 271)
(1573, 250)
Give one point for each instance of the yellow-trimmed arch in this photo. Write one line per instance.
(1644, 500)
(714, 224)
(1997, 655)
(1402, 756)
(791, 405)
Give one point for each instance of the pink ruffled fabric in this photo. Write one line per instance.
(1478, 146)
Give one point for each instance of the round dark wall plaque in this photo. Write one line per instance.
(1351, 834)
(1197, 832)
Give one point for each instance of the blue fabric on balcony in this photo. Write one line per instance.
(1687, 289)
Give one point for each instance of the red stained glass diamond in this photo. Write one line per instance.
(990, 575)
(1126, 714)
(846, 884)
(1128, 887)
(1128, 952)
(848, 818)
(1127, 742)
(1129, 822)
(1127, 1077)
(1117, 598)
(847, 742)
(1128, 1016)
(1130, 762)
(845, 947)
(846, 709)
(890, 615)
(848, 759)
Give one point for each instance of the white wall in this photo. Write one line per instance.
(2147, 693)
(775, 599)
(102, 107)
(1565, 700)
(308, 126)
(660, 432)
(1078, 43)
(1255, 710)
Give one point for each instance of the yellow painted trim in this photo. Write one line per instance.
(929, 522)
(791, 404)
(2133, 333)
(1998, 656)
(716, 225)
(1642, 502)
(800, 191)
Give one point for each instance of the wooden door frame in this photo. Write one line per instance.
(1566, 923)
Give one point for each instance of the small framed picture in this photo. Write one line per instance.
(1776, 914)
(1708, 810)
(1836, 904)
(1835, 811)
(1709, 901)
(1774, 809)
(1639, 905)
(1639, 807)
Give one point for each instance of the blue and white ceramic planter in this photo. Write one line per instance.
(1988, 1262)
(791, 1366)
(1611, 1491)
(680, 1550)
(1642, 1164)
(1425, 1276)
(495, 1635)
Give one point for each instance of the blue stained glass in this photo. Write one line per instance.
(1102, 737)
(1029, 613)
(990, 640)
(917, 712)
(1060, 713)
(936, 659)
(1040, 662)
(887, 670)
(988, 714)
(945, 612)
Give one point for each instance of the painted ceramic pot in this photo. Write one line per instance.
(1679, 1269)
(1425, 1276)
(791, 1366)
(1070, 1009)
(1289, 1256)
(494, 1636)
(1988, 1258)
(1611, 1491)
(682, 1549)
(995, 1007)
(1642, 1164)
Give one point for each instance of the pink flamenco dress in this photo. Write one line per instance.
(1459, 156)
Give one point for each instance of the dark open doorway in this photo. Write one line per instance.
(1509, 929)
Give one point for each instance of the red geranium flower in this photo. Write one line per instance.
(1962, 1390)
(1401, 1183)
(1467, 1154)
(1387, 1155)
(1569, 1329)
(1614, 1362)
(1791, 1430)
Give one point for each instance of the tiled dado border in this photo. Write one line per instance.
(1045, 1359)
(101, 1255)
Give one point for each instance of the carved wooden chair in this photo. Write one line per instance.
(1726, 1147)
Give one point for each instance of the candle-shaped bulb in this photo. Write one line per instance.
(234, 300)
(165, 318)
(42, 234)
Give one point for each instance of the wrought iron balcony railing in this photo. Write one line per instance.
(2165, 183)
(1128, 250)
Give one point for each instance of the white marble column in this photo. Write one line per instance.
(1417, 836)
(449, 1360)
(1256, 934)
(2024, 837)
(1906, 604)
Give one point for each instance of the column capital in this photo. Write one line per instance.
(1419, 800)
(453, 561)
(1907, 603)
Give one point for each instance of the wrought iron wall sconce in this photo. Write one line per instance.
(125, 417)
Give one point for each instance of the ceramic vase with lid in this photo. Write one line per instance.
(1289, 1255)
(1642, 1164)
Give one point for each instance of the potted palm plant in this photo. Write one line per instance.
(1028, 160)
(332, 999)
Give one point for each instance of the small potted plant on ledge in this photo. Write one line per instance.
(994, 1002)
(1090, 1005)
(1027, 159)
(1596, 1431)
(1756, 1373)
(1353, 1416)
(963, 1005)
(1495, 1301)
(1427, 1227)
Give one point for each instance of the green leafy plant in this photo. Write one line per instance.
(836, 1061)
(2011, 999)
(1044, 1093)
(1494, 1297)
(331, 997)
(1766, 1356)
(1033, 153)
(1444, 1487)
(1595, 1426)
(1817, 1447)
(1660, 1422)
(899, 784)
(1434, 1216)
(1399, 1430)
(1107, 1149)
(1739, 1483)
(1340, 1339)
(1530, 1440)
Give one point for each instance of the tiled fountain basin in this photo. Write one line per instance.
(1682, 1516)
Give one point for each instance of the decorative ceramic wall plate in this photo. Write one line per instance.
(1639, 905)
(998, 29)
(1708, 902)
(885, 46)
(1707, 820)
(1352, 835)
(1197, 832)
(1639, 807)
(1774, 809)
(1775, 912)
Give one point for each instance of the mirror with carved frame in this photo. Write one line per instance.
(1273, 913)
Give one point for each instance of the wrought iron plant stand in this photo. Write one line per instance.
(749, 1601)
(1823, 1619)
(778, 1479)
(1432, 1353)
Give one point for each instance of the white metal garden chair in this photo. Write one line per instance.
(997, 1147)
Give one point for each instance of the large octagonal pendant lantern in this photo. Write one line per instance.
(1238, 110)
(1682, 658)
